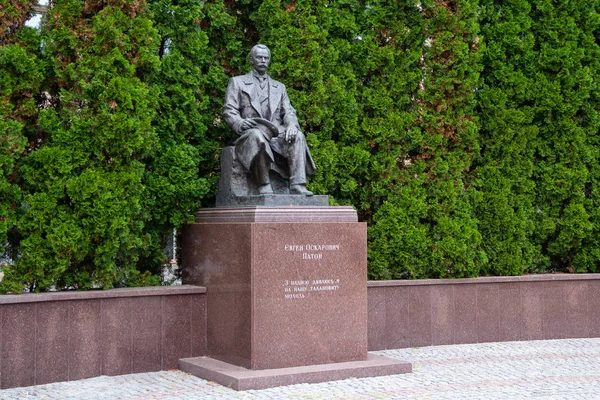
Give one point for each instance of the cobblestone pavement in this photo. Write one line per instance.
(552, 369)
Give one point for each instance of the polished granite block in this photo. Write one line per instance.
(281, 294)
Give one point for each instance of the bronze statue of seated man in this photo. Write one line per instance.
(258, 109)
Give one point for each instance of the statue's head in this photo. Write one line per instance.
(260, 57)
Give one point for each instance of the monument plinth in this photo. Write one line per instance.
(285, 274)
(286, 295)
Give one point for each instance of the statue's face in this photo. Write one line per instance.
(260, 60)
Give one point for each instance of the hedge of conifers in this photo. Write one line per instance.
(464, 132)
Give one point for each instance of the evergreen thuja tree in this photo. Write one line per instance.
(450, 137)
(20, 80)
(177, 173)
(387, 64)
(84, 216)
(509, 137)
(589, 258)
(565, 110)
(13, 14)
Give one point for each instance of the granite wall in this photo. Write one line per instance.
(65, 336)
(54, 337)
(440, 312)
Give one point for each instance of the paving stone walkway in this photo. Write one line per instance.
(552, 369)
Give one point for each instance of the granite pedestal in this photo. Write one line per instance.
(286, 288)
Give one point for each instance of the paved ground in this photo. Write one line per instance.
(555, 369)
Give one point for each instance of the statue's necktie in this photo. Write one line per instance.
(264, 97)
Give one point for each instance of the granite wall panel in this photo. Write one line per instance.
(533, 298)
(419, 315)
(117, 336)
(455, 311)
(177, 326)
(52, 342)
(198, 320)
(85, 339)
(53, 337)
(1, 343)
(593, 307)
(18, 353)
(465, 314)
(510, 312)
(147, 339)
(397, 333)
(442, 315)
(217, 256)
(488, 310)
(376, 318)
(577, 312)
(554, 310)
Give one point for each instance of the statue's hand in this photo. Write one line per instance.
(290, 133)
(248, 123)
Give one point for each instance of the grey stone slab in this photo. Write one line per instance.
(239, 378)
(274, 200)
(276, 214)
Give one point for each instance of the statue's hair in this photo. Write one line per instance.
(259, 46)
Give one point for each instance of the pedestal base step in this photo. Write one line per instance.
(239, 378)
(273, 200)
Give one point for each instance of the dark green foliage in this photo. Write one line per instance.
(20, 80)
(173, 186)
(13, 14)
(464, 132)
(84, 218)
(566, 94)
(506, 212)
(429, 213)
(539, 126)
(19, 83)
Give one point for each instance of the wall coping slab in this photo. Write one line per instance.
(486, 279)
(102, 294)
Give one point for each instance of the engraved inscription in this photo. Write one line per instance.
(301, 289)
(309, 251)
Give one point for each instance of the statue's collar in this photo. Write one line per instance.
(259, 76)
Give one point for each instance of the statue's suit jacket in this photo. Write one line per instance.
(242, 101)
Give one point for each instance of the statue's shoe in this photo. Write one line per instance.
(265, 189)
(300, 189)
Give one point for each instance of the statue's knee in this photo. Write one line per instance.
(254, 134)
(300, 139)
